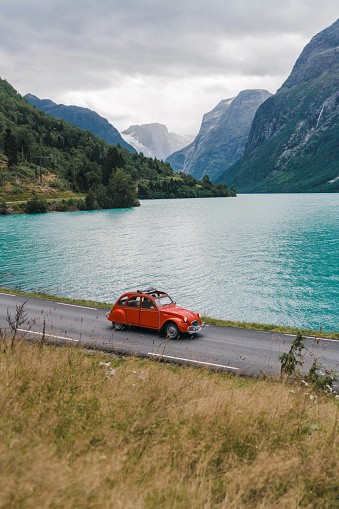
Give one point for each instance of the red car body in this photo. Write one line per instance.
(155, 310)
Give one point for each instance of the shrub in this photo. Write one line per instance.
(90, 201)
(3, 208)
(36, 206)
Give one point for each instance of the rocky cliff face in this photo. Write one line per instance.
(154, 140)
(222, 136)
(81, 117)
(293, 145)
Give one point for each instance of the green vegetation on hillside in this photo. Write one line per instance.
(84, 429)
(44, 158)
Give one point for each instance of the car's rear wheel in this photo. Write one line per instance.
(117, 326)
(172, 331)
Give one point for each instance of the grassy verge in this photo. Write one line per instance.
(88, 430)
(207, 319)
(272, 327)
(41, 295)
(57, 198)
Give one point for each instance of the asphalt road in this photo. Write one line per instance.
(241, 351)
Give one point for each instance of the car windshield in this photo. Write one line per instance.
(163, 300)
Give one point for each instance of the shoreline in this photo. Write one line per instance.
(76, 204)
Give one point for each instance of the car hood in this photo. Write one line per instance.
(179, 312)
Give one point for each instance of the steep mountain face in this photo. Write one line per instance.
(81, 117)
(180, 160)
(222, 136)
(154, 140)
(293, 145)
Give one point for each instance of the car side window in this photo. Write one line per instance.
(123, 301)
(147, 303)
(134, 302)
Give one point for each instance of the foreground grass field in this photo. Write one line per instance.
(84, 430)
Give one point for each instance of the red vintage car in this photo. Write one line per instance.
(154, 309)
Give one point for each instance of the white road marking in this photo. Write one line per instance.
(311, 337)
(235, 343)
(323, 339)
(49, 335)
(74, 305)
(191, 360)
(9, 294)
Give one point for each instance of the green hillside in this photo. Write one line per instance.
(293, 144)
(44, 158)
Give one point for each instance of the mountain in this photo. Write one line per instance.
(293, 145)
(222, 136)
(154, 140)
(81, 117)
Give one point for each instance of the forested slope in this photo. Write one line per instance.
(46, 157)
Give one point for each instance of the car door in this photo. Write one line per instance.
(132, 310)
(149, 314)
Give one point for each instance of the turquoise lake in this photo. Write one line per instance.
(262, 258)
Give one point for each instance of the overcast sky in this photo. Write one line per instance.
(142, 61)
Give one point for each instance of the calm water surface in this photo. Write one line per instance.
(263, 258)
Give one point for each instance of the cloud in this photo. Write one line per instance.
(143, 61)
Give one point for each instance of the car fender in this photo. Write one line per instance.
(182, 326)
(118, 316)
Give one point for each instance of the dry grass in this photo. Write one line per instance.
(75, 434)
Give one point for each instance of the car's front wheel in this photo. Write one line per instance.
(117, 326)
(172, 331)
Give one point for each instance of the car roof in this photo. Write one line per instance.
(152, 292)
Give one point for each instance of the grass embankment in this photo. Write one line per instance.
(273, 328)
(207, 319)
(22, 186)
(41, 295)
(138, 434)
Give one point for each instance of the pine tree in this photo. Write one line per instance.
(122, 190)
(113, 160)
(10, 148)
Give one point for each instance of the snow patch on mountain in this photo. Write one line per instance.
(154, 140)
(139, 147)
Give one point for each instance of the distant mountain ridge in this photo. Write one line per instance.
(81, 117)
(293, 145)
(222, 137)
(154, 140)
